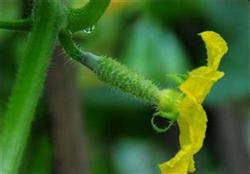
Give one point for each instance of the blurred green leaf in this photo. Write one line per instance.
(137, 156)
(154, 51)
(231, 20)
(170, 11)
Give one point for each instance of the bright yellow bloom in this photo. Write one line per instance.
(192, 119)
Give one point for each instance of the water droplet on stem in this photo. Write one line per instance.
(89, 30)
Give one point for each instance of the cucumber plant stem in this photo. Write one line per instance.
(48, 19)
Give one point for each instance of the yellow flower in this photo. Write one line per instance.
(192, 119)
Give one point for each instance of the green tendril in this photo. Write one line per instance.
(159, 129)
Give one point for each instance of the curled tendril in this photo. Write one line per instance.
(164, 116)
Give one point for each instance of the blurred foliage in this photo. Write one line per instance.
(231, 19)
(157, 48)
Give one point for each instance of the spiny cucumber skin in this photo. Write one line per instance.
(120, 77)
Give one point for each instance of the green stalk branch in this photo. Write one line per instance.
(87, 16)
(48, 15)
(88, 59)
(22, 24)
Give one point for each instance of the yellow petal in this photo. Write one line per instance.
(199, 83)
(216, 47)
(192, 125)
(179, 164)
(192, 118)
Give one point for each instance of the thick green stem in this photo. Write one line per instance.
(87, 16)
(22, 24)
(48, 19)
